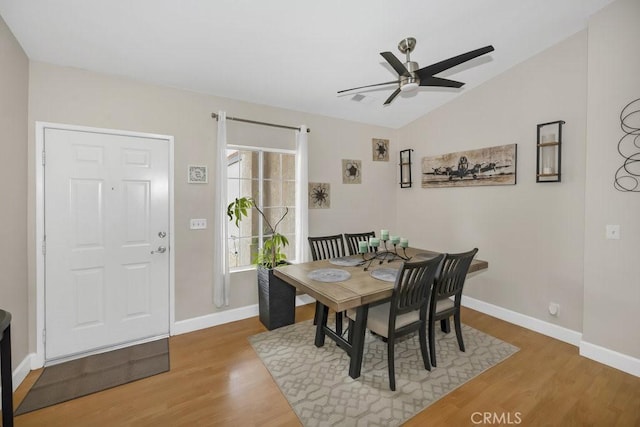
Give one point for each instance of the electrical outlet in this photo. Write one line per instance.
(613, 232)
(198, 224)
(554, 309)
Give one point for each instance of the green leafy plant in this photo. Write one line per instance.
(270, 254)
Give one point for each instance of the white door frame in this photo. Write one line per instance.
(38, 360)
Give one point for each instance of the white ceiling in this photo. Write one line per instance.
(294, 54)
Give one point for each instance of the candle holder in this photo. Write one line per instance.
(548, 158)
(384, 255)
(405, 168)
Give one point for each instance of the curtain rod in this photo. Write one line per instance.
(215, 116)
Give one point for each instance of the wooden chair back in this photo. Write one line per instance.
(353, 239)
(450, 281)
(413, 285)
(326, 247)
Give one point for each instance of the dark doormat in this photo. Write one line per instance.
(91, 374)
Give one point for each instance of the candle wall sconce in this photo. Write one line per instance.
(549, 152)
(405, 168)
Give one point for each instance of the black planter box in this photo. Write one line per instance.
(276, 300)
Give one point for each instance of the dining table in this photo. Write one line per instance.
(352, 282)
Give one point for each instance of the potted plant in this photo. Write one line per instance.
(276, 298)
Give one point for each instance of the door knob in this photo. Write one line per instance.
(162, 234)
(160, 250)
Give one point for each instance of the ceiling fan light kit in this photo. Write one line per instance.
(409, 86)
(410, 76)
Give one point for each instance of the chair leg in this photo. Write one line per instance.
(350, 331)
(432, 342)
(456, 321)
(339, 323)
(423, 346)
(445, 326)
(391, 363)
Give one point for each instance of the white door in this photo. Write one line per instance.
(106, 223)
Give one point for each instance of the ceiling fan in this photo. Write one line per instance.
(410, 77)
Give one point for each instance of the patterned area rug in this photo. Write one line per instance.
(317, 385)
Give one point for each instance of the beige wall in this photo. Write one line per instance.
(14, 86)
(544, 242)
(72, 96)
(531, 234)
(611, 279)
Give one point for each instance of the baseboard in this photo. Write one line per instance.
(214, 319)
(304, 299)
(545, 328)
(602, 355)
(612, 358)
(22, 370)
(226, 316)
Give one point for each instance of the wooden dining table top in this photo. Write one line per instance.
(360, 289)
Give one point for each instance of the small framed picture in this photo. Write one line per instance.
(380, 149)
(351, 171)
(197, 174)
(319, 195)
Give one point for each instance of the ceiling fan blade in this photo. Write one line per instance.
(395, 63)
(439, 67)
(393, 95)
(362, 87)
(440, 82)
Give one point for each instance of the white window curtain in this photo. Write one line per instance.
(221, 277)
(302, 195)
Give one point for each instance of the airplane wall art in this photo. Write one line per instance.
(484, 166)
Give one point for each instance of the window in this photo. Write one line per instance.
(268, 176)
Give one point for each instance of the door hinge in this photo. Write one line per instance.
(44, 157)
(44, 336)
(44, 246)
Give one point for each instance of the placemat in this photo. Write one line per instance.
(347, 261)
(385, 274)
(329, 275)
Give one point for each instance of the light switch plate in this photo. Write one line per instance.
(613, 232)
(198, 223)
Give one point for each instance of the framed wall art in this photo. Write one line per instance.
(197, 174)
(485, 166)
(351, 171)
(380, 150)
(319, 195)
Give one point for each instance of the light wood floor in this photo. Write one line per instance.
(216, 379)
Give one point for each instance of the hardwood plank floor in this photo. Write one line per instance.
(216, 379)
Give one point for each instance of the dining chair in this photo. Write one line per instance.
(406, 312)
(448, 283)
(353, 240)
(326, 247)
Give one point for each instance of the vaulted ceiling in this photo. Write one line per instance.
(294, 54)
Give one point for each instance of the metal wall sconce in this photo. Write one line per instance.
(405, 168)
(549, 152)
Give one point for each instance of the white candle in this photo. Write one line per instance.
(548, 160)
(404, 242)
(406, 171)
